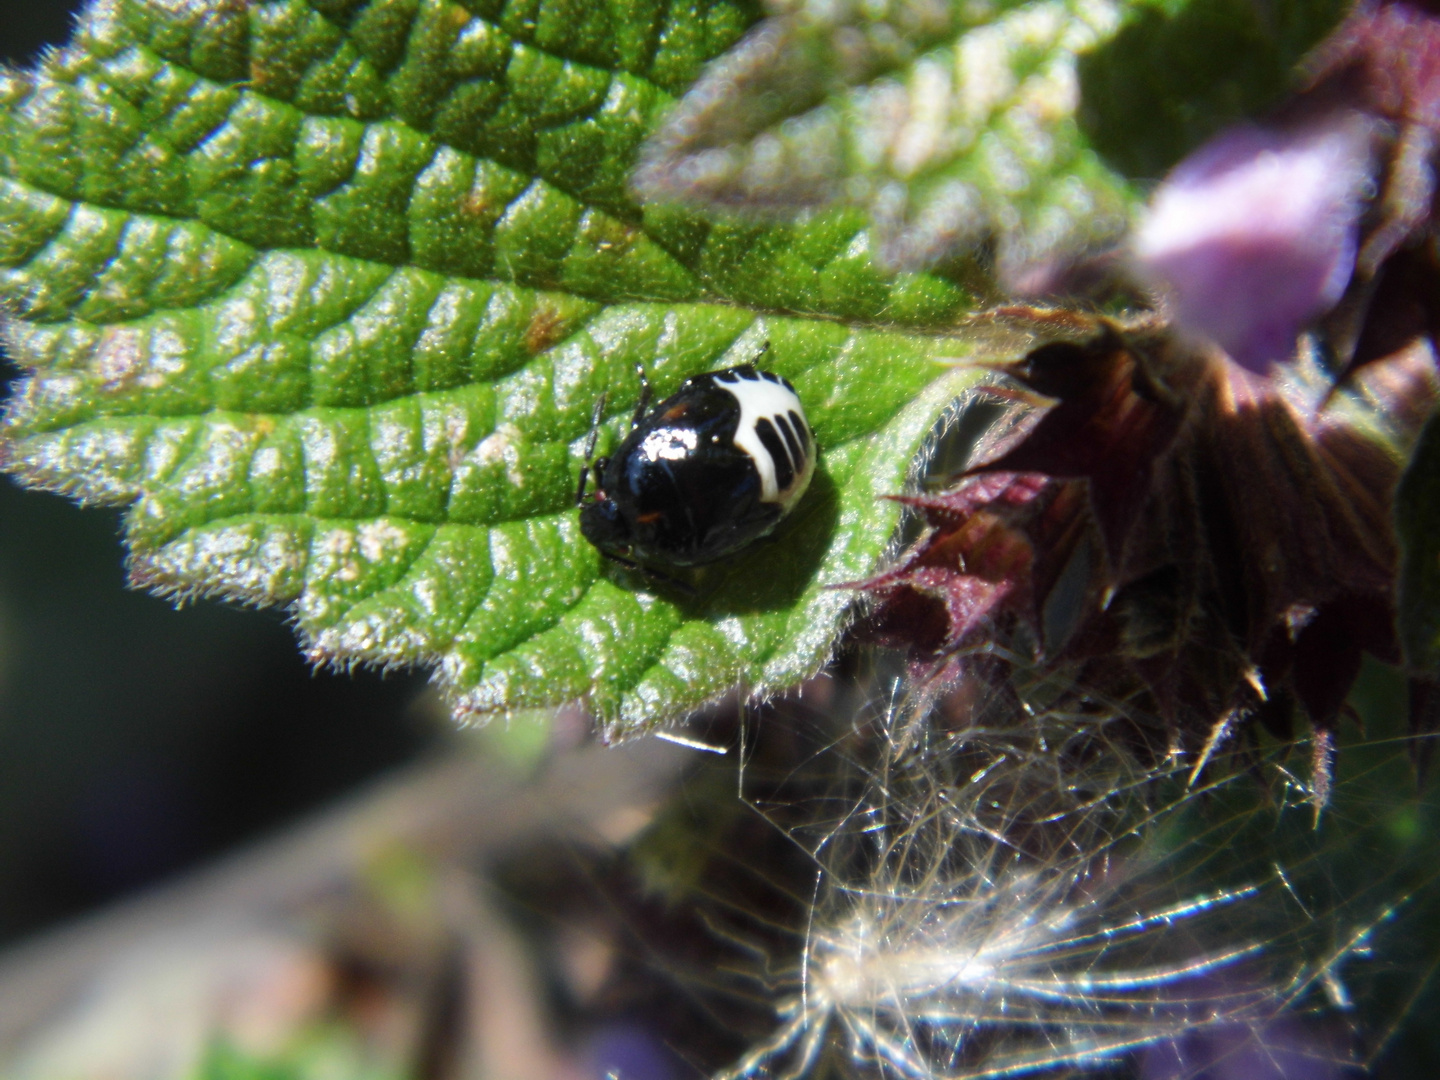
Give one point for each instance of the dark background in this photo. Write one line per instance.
(136, 739)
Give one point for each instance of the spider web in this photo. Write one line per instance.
(1001, 888)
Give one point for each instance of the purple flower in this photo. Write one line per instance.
(1254, 234)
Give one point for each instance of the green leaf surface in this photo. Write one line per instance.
(948, 123)
(327, 293)
(1022, 122)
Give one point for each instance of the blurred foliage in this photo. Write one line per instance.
(135, 739)
(948, 123)
(1176, 73)
(224, 1062)
(1015, 124)
(326, 1052)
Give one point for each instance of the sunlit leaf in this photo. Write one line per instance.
(947, 122)
(1023, 123)
(327, 293)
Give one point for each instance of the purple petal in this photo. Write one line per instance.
(1254, 234)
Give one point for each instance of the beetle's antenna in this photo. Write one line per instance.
(645, 395)
(590, 449)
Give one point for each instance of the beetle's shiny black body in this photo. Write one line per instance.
(708, 470)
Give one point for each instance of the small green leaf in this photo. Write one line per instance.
(1417, 525)
(955, 124)
(949, 123)
(327, 294)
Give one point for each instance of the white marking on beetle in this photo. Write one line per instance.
(761, 399)
(669, 444)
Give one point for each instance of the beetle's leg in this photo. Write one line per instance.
(580, 490)
(645, 394)
(763, 350)
(682, 587)
(656, 576)
(594, 429)
(629, 564)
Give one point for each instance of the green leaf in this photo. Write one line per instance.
(1176, 73)
(948, 123)
(955, 124)
(1417, 526)
(327, 293)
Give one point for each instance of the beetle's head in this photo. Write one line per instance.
(604, 526)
